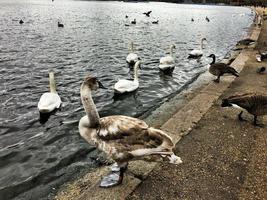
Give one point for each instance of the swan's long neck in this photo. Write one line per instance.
(136, 66)
(89, 106)
(52, 83)
(201, 44)
(131, 47)
(171, 51)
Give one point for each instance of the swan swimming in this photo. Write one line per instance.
(122, 138)
(167, 62)
(49, 101)
(123, 86)
(132, 57)
(197, 53)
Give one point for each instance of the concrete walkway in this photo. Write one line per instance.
(222, 158)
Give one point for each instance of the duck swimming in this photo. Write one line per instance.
(122, 138)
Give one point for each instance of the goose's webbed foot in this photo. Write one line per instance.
(216, 81)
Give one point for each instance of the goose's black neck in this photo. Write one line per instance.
(213, 59)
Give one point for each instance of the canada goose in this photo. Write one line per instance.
(255, 104)
(246, 42)
(133, 22)
(132, 57)
(197, 53)
(21, 21)
(49, 101)
(155, 22)
(261, 56)
(123, 86)
(219, 69)
(60, 25)
(167, 62)
(207, 19)
(147, 13)
(261, 70)
(122, 138)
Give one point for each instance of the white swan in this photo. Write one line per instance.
(123, 86)
(197, 53)
(122, 138)
(49, 101)
(167, 62)
(132, 57)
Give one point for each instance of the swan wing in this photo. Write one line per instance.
(131, 137)
(132, 57)
(49, 102)
(196, 52)
(126, 86)
(167, 60)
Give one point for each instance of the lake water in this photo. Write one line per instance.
(35, 157)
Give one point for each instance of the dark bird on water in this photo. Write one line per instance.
(255, 104)
(207, 19)
(261, 70)
(60, 25)
(133, 22)
(21, 21)
(147, 13)
(192, 20)
(155, 22)
(126, 16)
(219, 69)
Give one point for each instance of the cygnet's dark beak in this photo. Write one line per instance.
(101, 85)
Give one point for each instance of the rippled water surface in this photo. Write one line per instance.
(94, 40)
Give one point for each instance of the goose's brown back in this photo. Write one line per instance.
(255, 104)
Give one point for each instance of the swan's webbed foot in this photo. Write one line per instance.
(111, 180)
(115, 177)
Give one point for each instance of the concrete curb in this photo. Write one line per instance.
(177, 126)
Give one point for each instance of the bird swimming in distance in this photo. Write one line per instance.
(133, 22)
(255, 104)
(219, 69)
(192, 20)
(60, 25)
(122, 138)
(21, 21)
(207, 19)
(147, 13)
(167, 63)
(155, 22)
